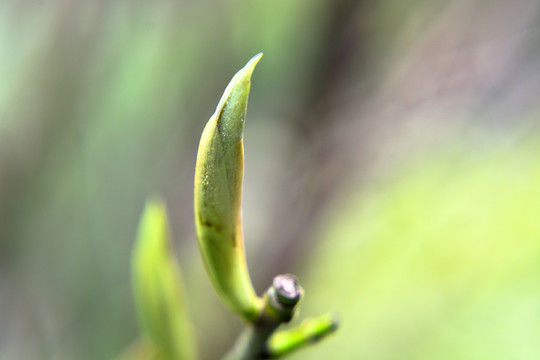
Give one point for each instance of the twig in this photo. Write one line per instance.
(280, 301)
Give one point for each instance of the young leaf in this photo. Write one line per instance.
(157, 286)
(308, 332)
(218, 192)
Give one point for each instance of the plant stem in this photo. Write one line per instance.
(250, 344)
(280, 301)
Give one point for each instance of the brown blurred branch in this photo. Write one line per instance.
(317, 170)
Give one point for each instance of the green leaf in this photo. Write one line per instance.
(158, 291)
(308, 332)
(218, 193)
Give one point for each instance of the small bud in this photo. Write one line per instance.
(287, 289)
(282, 297)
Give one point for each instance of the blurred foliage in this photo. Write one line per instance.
(103, 102)
(441, 261)
(158, 289)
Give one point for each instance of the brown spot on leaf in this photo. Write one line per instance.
(209, 224)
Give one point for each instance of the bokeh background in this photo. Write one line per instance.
(392, 163)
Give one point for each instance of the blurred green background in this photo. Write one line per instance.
(392, 163)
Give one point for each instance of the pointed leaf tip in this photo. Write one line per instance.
(250, 66)
(231, 110)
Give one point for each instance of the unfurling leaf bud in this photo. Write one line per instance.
(218, 196)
